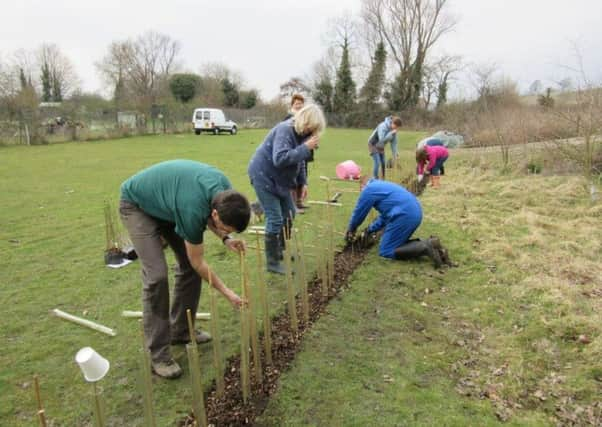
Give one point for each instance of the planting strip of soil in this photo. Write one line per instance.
(229, 409)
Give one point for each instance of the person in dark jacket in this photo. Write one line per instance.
(400, 215)
(276, 168)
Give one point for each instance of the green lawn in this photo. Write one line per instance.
(52, 241)
(496, 338)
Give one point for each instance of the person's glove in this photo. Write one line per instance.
(420, 177)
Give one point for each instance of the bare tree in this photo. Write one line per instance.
(62, 75)
(142, 65)
(410, 29)
(437, 75)
(292, 86)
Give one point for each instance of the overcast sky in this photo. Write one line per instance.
(272, 40)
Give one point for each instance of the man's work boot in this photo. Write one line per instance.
(169, 370)
(273, 254)
(416, 249)
(201, 337)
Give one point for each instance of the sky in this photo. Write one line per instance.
(270, 41)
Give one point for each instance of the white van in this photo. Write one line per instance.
(212, 120)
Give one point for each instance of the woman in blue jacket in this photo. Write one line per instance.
(276, 168)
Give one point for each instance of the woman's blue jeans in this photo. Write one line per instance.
(379, 161)
(278, 210)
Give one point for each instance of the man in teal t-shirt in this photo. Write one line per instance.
(177, 200)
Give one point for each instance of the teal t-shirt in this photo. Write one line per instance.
(178, 191)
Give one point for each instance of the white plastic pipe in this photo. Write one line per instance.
(138, 315)
(84, 322)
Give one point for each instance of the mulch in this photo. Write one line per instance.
(229, 409)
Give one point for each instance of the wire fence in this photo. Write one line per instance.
(63, 123)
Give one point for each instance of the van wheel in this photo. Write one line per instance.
(233, 131)
(197, 131)
(215, 131)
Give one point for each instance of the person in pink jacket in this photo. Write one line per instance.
(430, 159)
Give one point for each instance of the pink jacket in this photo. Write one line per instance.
(434, 153)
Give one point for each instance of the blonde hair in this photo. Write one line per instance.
(310, 119)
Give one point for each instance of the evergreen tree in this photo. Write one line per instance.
(248, 98)
(231, 95)
(46, 83)
(322, 94)
(442, 91)
(372, 89)
(119, 93)
(57, 89)
(344, 90)
(22, 79)
(184, 86)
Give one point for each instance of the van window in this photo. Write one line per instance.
(206, 115)
(198, 115)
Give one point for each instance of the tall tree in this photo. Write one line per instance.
(344, 89)
(57, 73)
(410, 29)
(371, 91)
(46, 80)
(57, 88)
(22, 78)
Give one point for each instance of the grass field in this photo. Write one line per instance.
(497, 338)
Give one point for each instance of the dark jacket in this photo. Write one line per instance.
(276, 166)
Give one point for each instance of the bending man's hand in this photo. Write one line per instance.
(235, 300)
(235, 245)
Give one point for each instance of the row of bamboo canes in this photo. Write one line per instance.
(295, 257)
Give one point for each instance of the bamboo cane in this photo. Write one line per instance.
(218, 361)
(41, 412)
(84, 322)
(263, 295)
(146, 384)
(99, 417)
(245, 379)
(301, 273)
(292, 310)
(198, 399)
(252, 322)
(324, 269)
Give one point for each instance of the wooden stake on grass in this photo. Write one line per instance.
(245, 378)
(265, 307)
(292, 310)
(198, 399)
(218, 358)
(41, 413)
(252, 322)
